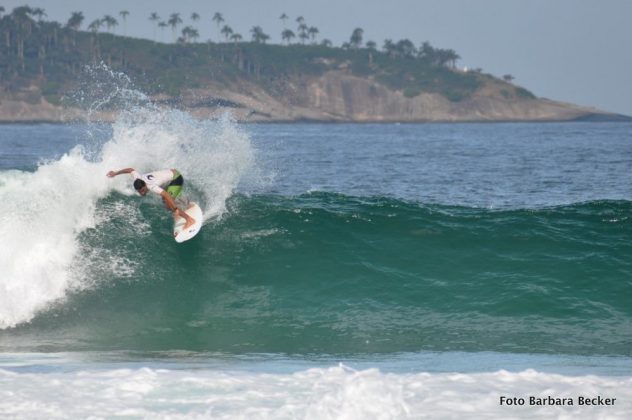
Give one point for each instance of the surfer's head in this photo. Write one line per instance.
(140, 186)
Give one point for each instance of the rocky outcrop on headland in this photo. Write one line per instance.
(338, 96)
(344, 97)
(335, 96)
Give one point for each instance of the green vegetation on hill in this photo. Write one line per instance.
(39, 57)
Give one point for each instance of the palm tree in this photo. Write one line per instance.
(284, 19)
(389, 47)
(174, 21)
(95, 26)
(189, 33)
(406, 48)
(218, 19)
(110, 22)
(56, 27)
(356, 38)
(162, 25)
(426, 51)
(195, 17)
(39, 13)
(287, 35)
(20, 16)
(227, 31)
(155, 18)
(239, 57)
(194, 34)
(450, 56)
(1, 10)
(258, 36)
(124, 14)
(313, 31)
(302, 32)
(75, 21)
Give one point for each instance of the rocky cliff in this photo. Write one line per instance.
(335, 96)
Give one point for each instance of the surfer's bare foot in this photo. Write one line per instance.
(189, 222)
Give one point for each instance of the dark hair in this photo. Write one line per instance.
(138, 184)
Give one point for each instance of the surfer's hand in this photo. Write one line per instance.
(111, 174)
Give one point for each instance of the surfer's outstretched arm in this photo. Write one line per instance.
(112, 174)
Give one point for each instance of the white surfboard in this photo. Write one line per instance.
(182, 235)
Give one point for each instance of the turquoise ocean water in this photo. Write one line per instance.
(344, 271)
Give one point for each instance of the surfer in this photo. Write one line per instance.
(167, 183)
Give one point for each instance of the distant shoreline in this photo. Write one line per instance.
(55, 74)
(617, 119)
(587, 118)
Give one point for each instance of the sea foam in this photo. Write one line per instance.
(318, 393)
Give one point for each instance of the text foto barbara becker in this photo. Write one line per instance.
(555, 401)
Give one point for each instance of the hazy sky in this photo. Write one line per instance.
(576, 51)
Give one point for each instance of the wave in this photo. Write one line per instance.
(327, 273)
(46, 211)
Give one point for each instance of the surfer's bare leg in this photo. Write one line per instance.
(170, 203)
(189, 220)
